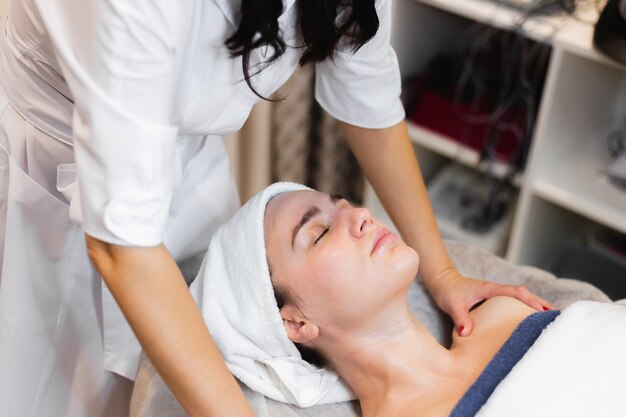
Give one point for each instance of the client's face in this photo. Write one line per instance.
(338, 264)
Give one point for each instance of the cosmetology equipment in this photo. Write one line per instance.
(616, 170)
(486, 98)
(610, 32)
(472, 207)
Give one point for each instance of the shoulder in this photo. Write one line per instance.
(494, 321)
(498, 310)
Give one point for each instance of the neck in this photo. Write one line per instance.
(394, 366)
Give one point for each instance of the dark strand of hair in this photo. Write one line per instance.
(318, 25)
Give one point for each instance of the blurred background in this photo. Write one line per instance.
(517, 113)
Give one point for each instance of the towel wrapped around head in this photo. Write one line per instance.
(235, 295)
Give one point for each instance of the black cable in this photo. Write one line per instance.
(522, 73)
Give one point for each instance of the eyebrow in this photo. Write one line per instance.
(309, 214)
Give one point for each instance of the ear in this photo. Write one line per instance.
(299, 328)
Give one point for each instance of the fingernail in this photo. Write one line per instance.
(545, 308)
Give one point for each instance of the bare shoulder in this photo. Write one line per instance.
(494, 321)
(500, 310)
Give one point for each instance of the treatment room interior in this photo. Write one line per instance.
(518, 121)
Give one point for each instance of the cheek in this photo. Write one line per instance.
(333, 273)
(327, 281)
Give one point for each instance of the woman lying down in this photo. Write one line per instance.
(297, 271)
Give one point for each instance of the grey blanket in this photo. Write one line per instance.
(152, 398)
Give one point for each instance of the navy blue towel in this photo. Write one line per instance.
(504, 360)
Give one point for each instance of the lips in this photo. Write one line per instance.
(381, 236)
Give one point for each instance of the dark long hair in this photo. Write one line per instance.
(319, 26)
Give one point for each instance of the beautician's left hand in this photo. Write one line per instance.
(456, 294)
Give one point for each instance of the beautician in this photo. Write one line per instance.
(111, 113)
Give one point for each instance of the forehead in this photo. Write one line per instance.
(285, 210)
(290, 205)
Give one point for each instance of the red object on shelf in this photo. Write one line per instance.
(438, 113)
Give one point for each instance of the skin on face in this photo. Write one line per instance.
(340, 268)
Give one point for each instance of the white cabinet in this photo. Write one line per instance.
(565, 188)
(564, 192)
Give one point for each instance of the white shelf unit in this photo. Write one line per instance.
(439, 144)
(564, 193)
(584, 99)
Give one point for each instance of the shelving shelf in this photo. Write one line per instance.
(584, 203)
(498, 16)
(447, 147)
(578, 183)
(564, 195)
(573, 34)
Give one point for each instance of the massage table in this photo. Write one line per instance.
(152, 398)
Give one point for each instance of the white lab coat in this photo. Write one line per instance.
(109, 116)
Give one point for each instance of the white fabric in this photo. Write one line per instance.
(349, 87)
(60, 329)
(577, 368)
(131, 77)
(234, 292)
(51, 345)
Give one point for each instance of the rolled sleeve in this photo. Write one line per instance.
(363, 88)
(121, 64)
(124, 176)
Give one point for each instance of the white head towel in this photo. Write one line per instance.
(235, 295)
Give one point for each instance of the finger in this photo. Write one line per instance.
(462, 321)
(540, 304)
(524, 295)
(545, 304)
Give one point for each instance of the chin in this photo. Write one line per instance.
(406, 261)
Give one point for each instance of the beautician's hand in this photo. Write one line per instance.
(456, 294)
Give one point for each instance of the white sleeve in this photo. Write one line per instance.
(119, 59)
(363, 88)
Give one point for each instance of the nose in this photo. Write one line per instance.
(358, 218)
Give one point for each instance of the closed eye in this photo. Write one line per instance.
(334, 197)
(321, 236)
